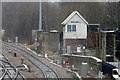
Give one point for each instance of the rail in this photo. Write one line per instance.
(47, 71)
(9, 70)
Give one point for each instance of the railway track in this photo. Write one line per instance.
(47, 71)
(8, 70)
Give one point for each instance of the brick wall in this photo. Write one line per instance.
(92, 41)
(74, 43)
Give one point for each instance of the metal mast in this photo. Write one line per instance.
(40, 16)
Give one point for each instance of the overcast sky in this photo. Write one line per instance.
(60, 0)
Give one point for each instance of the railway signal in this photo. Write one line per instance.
(67, 63)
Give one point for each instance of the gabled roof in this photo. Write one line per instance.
(71, 15)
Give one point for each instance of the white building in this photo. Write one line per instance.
(75, 26)
(74, 31)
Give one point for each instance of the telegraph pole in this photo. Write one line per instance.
(119, 27)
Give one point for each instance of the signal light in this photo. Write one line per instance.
(67, 63)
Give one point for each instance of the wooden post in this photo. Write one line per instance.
(22, 60)
(104, 50)
(15, 54)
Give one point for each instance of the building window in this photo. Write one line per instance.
(74, 28)
(71, 28)
(68, 28)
